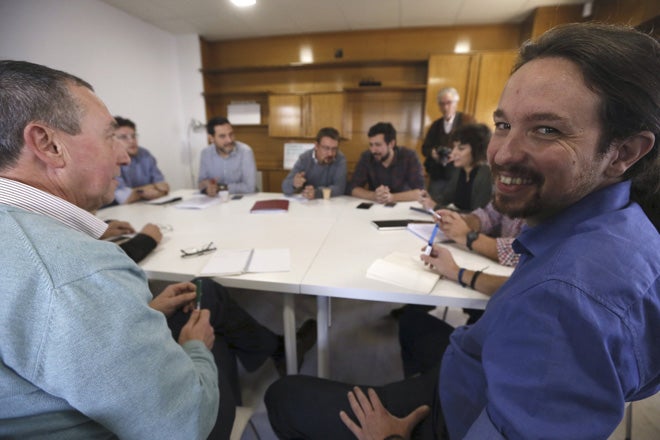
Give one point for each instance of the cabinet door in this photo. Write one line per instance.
(285, 115)
(494, 71)
(324, 110)
(446, 71)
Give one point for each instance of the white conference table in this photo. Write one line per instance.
(331, 245)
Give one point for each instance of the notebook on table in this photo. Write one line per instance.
(273, 205)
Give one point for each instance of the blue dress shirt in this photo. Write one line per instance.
(142, 170)
(238, 171)
(318, 175)
(570, 337)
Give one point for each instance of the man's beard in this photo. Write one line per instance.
(227, 148)
(384, 158)
(511, 205)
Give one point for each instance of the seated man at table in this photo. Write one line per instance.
(324, 166)
(226, 161)
(572, 335)
(140, 179)
(237, 334)
(387, 173)
(84, 352)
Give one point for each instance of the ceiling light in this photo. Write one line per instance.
(243, 3)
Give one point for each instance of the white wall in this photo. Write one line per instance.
(141, 72)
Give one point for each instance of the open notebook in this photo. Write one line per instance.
(238, 261)
(404, 271)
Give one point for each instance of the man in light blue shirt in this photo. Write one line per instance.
(140, 179)
(226, 161)
(573, 334)
(324, 166)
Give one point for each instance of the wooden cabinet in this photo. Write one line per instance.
(479, 79)
(302, 115)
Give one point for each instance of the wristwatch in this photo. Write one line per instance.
(470, 238)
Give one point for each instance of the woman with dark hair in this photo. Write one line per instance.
(471, 186)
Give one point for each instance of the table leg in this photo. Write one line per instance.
(323, 346)
(289, 318)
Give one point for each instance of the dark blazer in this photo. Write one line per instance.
(436, 138)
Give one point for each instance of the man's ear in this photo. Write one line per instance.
(42, 142)
(629, 151)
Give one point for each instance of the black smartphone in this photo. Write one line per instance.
(364, 205)
(390, 204)
(237, 197)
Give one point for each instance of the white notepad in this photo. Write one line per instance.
(404, 271)
(198, 201)
(238, 261)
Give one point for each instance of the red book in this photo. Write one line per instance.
(274, 205)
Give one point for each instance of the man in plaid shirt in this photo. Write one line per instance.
(387, 173)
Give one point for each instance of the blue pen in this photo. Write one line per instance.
(429, 246)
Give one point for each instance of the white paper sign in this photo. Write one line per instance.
(292, 151)
(244, 113)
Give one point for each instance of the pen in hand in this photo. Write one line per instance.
(198, 291)
(429, 246)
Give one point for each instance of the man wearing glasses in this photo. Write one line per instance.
(436, 146)
(140, 179)
(323, 167)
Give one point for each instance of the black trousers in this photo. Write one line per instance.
(238, 336)
(423, 339)
(304, 407)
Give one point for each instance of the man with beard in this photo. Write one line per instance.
(387, 173)
(324, 166)
(226, 161)
(572, 335)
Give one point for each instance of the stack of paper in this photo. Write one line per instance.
(238, 261)
(424, 231)
(198, 201)
(404, 271)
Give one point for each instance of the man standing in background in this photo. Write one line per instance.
(437, 146)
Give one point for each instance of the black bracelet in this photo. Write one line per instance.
(474, 278)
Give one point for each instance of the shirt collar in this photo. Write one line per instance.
(536, 240)
(34, 200)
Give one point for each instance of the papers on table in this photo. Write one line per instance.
(164, 200)
(424, 231)
(198, 201)
(238, 261)
(404, 271)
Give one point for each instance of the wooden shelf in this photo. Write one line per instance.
(387, 88)
(263, 93)
(312, 66)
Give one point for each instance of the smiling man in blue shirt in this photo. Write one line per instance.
(572, 335)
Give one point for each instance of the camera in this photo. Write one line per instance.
(443, 154)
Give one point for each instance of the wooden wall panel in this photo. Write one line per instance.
(494, 71)
(446, 70)
(548, 17)
(631, 12)
(387, 44)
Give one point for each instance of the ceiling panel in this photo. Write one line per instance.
(220, 20)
